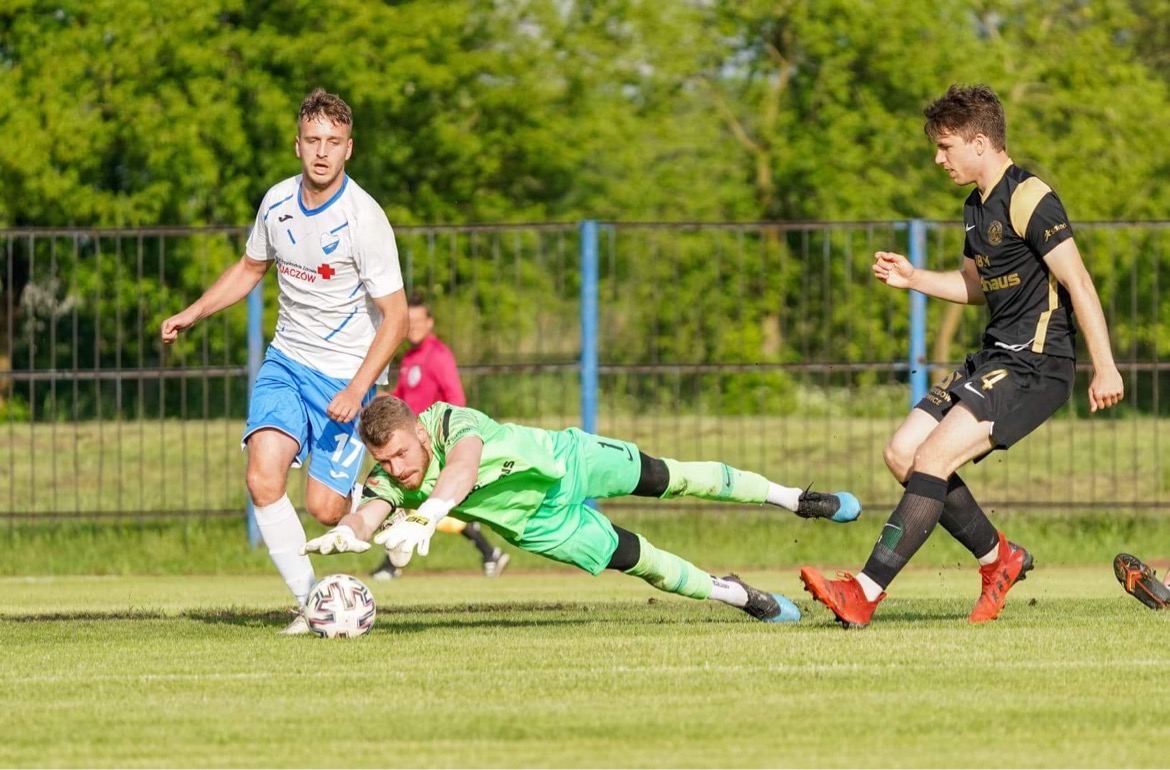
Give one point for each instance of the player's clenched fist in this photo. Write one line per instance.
(177, 323)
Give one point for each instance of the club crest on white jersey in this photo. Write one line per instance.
(330, 261)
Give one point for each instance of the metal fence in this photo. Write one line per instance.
(768, 346)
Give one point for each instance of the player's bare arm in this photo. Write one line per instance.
(453, 485)
(1106, 388)
(352, 532)
(461, 471)
(231, 287)
(346, 404)
(959, 286)
(367, 518)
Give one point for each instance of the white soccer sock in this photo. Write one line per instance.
(991, 556)
(727, 592)
(785, 497)
(284, 535)
(872, 590)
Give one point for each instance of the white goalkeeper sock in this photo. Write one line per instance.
(785, 497)
(727, 592)
(284, 535)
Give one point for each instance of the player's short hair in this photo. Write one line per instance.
(967, 111)
(321, 104)
(418, 298)
(382, 416)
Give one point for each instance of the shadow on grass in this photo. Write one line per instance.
(820, 616)
(418, 618)
(278, 619)
(71, 617)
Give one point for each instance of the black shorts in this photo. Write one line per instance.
(1014, 391)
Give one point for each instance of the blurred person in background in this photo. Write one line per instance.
(428, 374)
(1021, 261)
(532, 487)
(342, 315)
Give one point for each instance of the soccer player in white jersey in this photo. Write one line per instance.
(342, 315)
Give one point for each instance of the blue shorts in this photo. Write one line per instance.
(292, 398)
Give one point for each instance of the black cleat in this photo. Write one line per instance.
(1140, 582)
(770, 608)
(840, 507)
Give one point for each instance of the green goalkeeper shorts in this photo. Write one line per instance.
(596, 467)
(572, 534)
(564, 528)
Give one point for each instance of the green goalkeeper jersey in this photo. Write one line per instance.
(516, 470)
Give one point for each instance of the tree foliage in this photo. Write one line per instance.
(134, 113)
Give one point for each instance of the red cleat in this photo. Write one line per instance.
(844, 597)
(1011, 566)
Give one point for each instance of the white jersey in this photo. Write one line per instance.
(330, 260)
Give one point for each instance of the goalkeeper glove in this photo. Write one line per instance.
(413, 531)
(340, 539)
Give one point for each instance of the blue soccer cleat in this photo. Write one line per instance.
(770, 608)
(841, 507)
(789, 612)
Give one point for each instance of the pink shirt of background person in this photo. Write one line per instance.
(428, 372)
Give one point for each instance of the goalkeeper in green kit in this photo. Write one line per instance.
(531, 486)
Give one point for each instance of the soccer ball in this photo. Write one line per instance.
(340, 607)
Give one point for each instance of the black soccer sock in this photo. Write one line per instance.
(965, 520)
(473, 533)
(628, 551)
(908, 528)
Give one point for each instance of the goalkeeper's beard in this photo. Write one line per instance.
(421, 473)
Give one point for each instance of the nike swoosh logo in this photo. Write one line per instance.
(967, 385)
(969, 228)
(337, 475)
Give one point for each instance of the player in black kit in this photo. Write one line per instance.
(1021, 261)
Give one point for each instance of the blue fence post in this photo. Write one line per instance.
(919, 369)
(589, 325)
(255, 349)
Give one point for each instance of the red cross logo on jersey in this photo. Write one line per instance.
(326, 271)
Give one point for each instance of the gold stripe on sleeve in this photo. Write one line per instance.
(1046, 316)
(1025, 199)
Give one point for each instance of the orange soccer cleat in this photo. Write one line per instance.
(1011, 566)
(844, 597)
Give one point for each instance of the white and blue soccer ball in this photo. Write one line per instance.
(340, 607)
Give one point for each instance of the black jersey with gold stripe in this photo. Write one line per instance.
(1008, 235)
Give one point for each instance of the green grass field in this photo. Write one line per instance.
(560, 669)
(146, 641)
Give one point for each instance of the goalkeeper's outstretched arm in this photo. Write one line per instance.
(367, 518)
(352, 532)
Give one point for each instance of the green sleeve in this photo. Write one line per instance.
(448, 425)
(379, 486)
